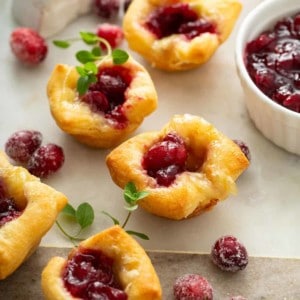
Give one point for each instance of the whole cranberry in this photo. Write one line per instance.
(192, 287)
(106, 8)
(46, 160)
(28, 46)
(113, 34)
(21, 145)
(229, 254)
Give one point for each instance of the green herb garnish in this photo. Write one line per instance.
(84, 214)
(91, 58)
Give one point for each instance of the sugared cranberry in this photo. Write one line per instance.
(28, 46)
(175, 19)
(113, 34)
(89, 275)
(106, 8)
(165, 159)
(8, 211)
(21, 145)
(273, 62)
(192, 287)
(108, 94)
(46, 160)
(244, 148)
(229, 254)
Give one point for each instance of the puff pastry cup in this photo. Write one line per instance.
(213, 164)
(131, 266)
(39, 204)
(176, 51)
(94, 128)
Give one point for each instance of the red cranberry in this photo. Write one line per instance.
(229, 254)
(108, 94)
(106, 8)
(244, 148)
(8, 211)
(113, 34)
(46, 160)
(177, 18)
(192, 287)
(273, 61)
(165, 159)
(89, 275)
(21, 145)
(28, 46)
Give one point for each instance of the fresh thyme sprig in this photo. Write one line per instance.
(90, 59)
(84, 214)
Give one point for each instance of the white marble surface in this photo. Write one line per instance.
(264, 214)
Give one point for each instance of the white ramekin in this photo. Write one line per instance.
(277, 123)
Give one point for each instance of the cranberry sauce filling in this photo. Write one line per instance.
(178, 18)
(89, 275)
(8, 208)
(273, 62)
(165, 159)
(107, 95)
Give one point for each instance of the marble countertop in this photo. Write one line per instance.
(264, 214)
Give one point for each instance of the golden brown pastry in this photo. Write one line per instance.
(110, 110)
(28, 210)
(179, 34)
(187, 167)
(113, 248)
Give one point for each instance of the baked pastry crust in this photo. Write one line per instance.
(132, 267)
(175, 53)
(90, 128)
(40, 204)
(215, 159)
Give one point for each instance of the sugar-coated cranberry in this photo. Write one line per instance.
(244, 148)
(229, 254)
(28, 46)
(89, 275)
(8, 210)
(192, 287)
(165, 159)
(46, 160)
(21, 145)
(113, 34)
(273, 62)
(106, 8)
(107, 95)
(177, 18)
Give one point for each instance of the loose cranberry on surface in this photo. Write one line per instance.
(112, 33)
(244, 148)
(28, 46)
(106, 8)
(46, 160)
(192, 287)
(21, 145)
(175, 19)
(273, 61)
(89, 275)
(229, 254)
(165, 159)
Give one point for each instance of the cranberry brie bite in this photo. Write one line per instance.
(187, 167)
(112, 107)
(28, 209)
(179, 35)
(109, 265)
